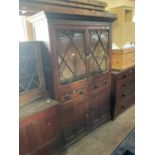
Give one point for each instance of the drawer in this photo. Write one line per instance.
(123, 94)
(127, 102)
(124, 84)
(74, 93)
(100, 85)
(100, 78)
(126, 74)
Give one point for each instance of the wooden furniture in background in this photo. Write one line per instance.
(31, 77)
(123, 58)
(123, 90)
(79, 7)
(123, 27)
(40, 128)
(40, 117)
(77, 68)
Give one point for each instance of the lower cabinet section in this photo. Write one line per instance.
(40, 134)
(74, 115)
(82, 114)
(47, 131)
(100, 106)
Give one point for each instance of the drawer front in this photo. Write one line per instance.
(129, 100)
(125, 84)
(122, 105)
(123, 94)
(126, 74)
(73, 93)
(100, 85)
(100, 78)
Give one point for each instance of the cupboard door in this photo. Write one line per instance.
(100, 104)
(70, 51)
(96, 100)
(105, 104)
(75, 118)
(99, 51)
(82, 116)
(40, 133)
(44, 129)
(69, 121)
(27, 141)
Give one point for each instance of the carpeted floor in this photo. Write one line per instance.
(104, 140)
(127, 146)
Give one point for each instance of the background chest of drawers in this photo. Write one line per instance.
(123, 90)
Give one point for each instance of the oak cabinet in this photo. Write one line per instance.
(77, 66)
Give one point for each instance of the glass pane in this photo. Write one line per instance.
(105, 39)
(99, 51)
(28, 73)
(71, 55)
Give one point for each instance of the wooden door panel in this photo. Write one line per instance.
(81, 112)
(24, 145)
(100, 103)
(27, 139)
(95, 107)
(105, 103)
(38, 131)
(69, 121)
(43, 130)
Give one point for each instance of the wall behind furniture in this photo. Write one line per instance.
(116, 3)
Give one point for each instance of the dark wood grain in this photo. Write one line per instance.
(73, 4)
(85, 103)
(40, 132)
(122, 90)
(33, 8)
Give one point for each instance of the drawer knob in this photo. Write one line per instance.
(130, 72)
(67, 97)
(125, 75)
(124, 94)
(95, 86)
(122, 106)
(81, 92)
(105, 82)
(124, 84)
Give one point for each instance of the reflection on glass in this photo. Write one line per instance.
(28, 72)
(99, 51)
(71, 55)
